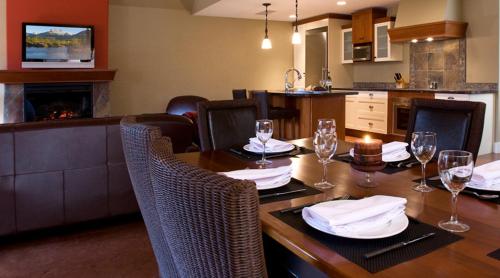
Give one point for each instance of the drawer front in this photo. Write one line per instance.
(373, 125)
(372, 106)
(372, 115)
(452, 97)
(372, 95)
(350, 113)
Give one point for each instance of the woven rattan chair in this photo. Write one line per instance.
(212, 221)
(136, 140)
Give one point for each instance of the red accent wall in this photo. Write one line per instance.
(78, 12)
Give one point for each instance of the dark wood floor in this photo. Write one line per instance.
(118, 248)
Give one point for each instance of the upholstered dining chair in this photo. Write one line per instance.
(226, 123)
(182, 104)
(457, 124)
(280, 114)
(240, 94)
(136, 139)
(212, 221)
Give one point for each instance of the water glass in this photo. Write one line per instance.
(455, 170)
(325, 145)
(327, 126)
(423, 146)
(264, 132)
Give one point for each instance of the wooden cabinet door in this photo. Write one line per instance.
(362, 29)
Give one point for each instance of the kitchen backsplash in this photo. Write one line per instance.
(439, 61)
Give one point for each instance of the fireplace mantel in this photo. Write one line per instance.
(56, 76)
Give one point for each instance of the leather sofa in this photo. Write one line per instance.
(63, 172)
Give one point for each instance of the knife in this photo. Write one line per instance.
(240, 153)
(281, 193)
(396, 246)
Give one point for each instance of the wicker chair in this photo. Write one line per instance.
(136, 140)
(212, 221)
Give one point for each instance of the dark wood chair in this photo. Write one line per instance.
(227, 123)
(280, 114)
(182, 104)
(458, 124)
(240, 94)
(210, 222)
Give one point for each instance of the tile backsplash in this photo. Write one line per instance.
(439, 61)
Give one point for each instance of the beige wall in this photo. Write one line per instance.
(383, 71)
(161, 53)
(342, 74)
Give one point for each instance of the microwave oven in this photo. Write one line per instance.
(362, 53)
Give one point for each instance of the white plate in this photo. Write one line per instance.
(496, 187)
(402, 157)
(392, 228)
(276, 184)
(248, 148)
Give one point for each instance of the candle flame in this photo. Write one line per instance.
(367, 139)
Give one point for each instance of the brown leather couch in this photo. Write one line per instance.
(63, 172)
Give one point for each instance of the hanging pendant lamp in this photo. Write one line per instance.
(296, 35)
(266, 42)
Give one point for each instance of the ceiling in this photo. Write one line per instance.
(282, 9)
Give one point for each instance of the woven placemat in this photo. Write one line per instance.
(294, 184)
(242, 154)
(354, 249)
(495, 254)
(390, 168)
(436, 183)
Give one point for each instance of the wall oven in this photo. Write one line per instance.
(362, 53)
(400, 115)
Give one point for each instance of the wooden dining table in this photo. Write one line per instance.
(464, 258)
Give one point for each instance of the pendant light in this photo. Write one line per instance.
(266, 42)
(296, 35)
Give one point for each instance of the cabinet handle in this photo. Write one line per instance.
(370, 124)
(451, 98)
(370, 94)
(371, 107)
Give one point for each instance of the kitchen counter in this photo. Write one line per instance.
(436, 91)
(334, 92)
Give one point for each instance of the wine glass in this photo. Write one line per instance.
(327, 125)
(264, 131)
(325, 145)
(455, 170)
(423, 146)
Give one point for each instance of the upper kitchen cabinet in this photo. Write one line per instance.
(384, 50)
(362, 24)
(346, 39)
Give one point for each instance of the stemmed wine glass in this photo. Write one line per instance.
(325, 145)
(264, 132)
(423, 146)
(455, 170)
(327, 125)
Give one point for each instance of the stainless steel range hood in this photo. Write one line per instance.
(426, 19)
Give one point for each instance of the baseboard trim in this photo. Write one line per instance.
(496, 148)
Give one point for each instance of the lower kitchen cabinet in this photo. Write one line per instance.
(367, 111)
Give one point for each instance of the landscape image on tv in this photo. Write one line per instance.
(54, 43)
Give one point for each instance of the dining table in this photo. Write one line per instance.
(467, 257)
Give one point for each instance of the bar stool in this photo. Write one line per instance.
(240, 94)
(281, 114)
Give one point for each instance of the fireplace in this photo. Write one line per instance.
(43, 102)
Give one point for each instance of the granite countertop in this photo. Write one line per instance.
(340, 92)
(437, 91)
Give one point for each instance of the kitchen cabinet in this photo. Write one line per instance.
(362, 24)
(384, 50)
(346, 39)
(367, 111)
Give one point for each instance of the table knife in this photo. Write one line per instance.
(240, 153)
(281, 193)
(396, 246)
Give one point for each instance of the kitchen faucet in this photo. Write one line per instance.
(289, 85)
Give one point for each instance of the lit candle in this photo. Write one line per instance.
(368, 151)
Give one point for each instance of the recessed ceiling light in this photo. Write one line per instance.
(341, 3)
(429, 39)
(292, 16)
(414, 41)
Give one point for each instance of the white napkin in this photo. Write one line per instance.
(356, 216)
(392, 151)
(487, 176)
(263, 178)
(272, 145)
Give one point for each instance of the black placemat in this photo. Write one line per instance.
(495, 254)
(240, 153)
(294, 184)
(354, 249)
(390, 168)
(436, 183)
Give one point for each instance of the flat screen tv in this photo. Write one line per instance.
(57, 46)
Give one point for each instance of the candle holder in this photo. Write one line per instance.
(367, 160)
(366, 173)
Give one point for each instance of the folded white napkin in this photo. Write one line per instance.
(392, 151)
(487, 176)
(272, 145)
(356, 216)
(263, 178)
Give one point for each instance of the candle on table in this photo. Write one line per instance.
(368, 151)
